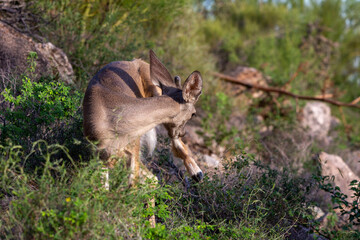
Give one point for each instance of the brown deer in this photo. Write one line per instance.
(127, 99)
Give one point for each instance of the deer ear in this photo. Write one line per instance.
(159, 75)
(192, 87)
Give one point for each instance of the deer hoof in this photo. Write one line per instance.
(197, 177)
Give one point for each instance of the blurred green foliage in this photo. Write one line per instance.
(218, 109)
(95, 32)
(274, 30)
(37, 110)
(307, 47)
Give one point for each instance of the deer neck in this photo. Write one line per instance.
(146, 113)
(160, 110)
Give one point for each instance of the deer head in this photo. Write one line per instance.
(186, 95)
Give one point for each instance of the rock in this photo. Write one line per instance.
(211, 161)
(57, 59)
(332, 165)
(178, 162)
(161, 131)
(250, 75)
(318, 213)
(258, 119)
(316, 119)
(15, 48)
(266, 130)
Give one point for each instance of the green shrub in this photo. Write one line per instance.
(38, 105)
(46, 109)
(348, 209)
(57, 201)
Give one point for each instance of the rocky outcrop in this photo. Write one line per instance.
(332, 165)
(250, 75)
(316, 119)
(15, 48)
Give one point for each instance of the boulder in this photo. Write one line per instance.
(250, 75)
(316, 118)
(15, 48)
(212, 161)
(332, 165)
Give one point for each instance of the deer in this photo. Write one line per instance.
(128, 99)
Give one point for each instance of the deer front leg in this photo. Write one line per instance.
(180, 150)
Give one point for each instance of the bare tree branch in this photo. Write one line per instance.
(283, 92)
(355, 101)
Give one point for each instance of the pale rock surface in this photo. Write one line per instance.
(318, 212)
(212, 161)
(15, 48)
(332, 165)
(317, 119)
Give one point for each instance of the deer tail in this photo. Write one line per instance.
(148, 142)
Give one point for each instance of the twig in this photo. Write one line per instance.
(356, 101)
(295, 74)
(281, 91)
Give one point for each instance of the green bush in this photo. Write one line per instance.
(38, 105)
(46, 109)
(57, 201)
(348, 209)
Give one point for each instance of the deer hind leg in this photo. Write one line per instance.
(108, 161)
(133, 152)
(180, 150)
(109, 156)
(139, 173)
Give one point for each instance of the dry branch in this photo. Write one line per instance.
(281, 91)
